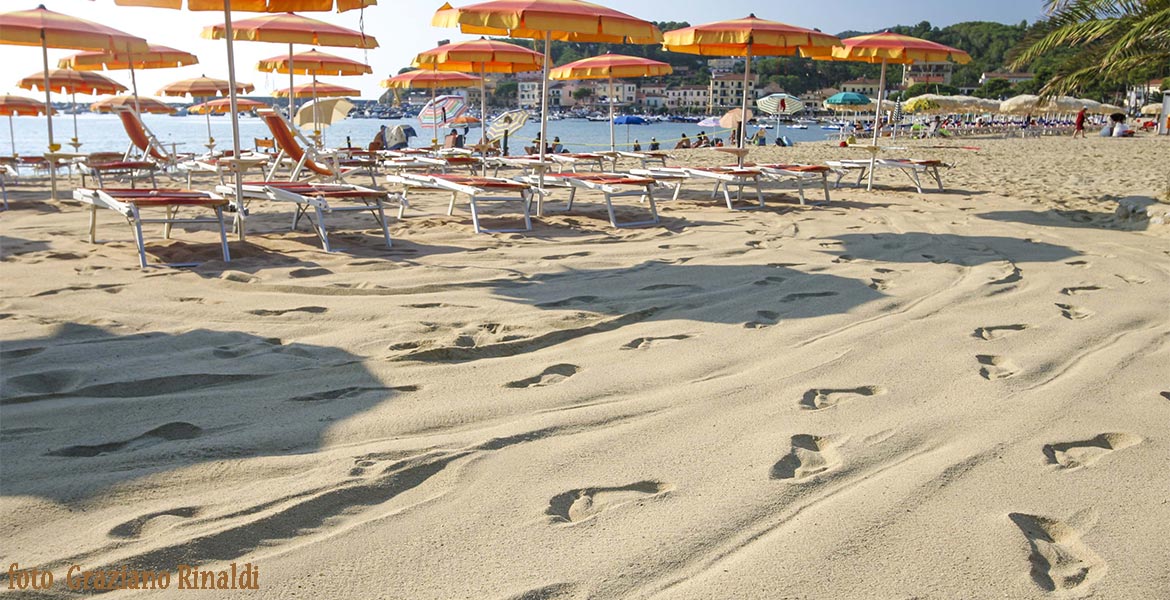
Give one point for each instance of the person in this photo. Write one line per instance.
(1079, 123)
(637, 146)
(654, 145)
(557, 147)
(683, 142)
(1122, 130)
(761, 137)
(701, 139)
(380, 142)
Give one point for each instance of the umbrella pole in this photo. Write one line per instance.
(291, 100)
(877, 119)
(210, 140)
(75, 144)
(317, 128)
(747, 70)
(12, 136)
(49, 116)
(134, 84)
(612, 145)
(483, 116)
(231, 59)
(435, 125)
(543, 123)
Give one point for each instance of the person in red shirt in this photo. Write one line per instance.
(1079, 124)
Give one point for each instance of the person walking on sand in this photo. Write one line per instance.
(1079, 123)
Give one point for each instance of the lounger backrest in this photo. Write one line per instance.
(137, 132)
(284, 138)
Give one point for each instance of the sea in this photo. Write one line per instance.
(189, 134)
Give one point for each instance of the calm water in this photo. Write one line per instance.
(105, 133)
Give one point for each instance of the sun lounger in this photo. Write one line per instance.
(646, 158)
(144, 145)
(527, 164)
(107, 166)
(726, 178)
(129, 204)
(670, 178)
(910, 167)
(316, 197)
(800, 174)
(476, 189)
(304, 155)
(611, 185)
(572, 161)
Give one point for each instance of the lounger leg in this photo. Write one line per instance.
(609, 208)
(93, 223)
(382, 222)
(572, 196)
(137, 221)
(653, 205)
(937, 178)
(167, 226)
(227, 257)
(403, 204)
(451, 205)
(800, 190)
(715, 191)
(321, 229)
(527, 197)
(726, 196)
(677, 189)
(913, 175)
(825, 183)
(759, 193)
(474, 215)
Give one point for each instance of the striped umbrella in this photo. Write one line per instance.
(430, 80)
(143, 105)
(19, 106)
(154, 57)
(202, 87)
(608, 67)
(780, 104)
(505, 125)
(67, 81)
(441, 110)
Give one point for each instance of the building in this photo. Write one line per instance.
(869, 87)
(528, 93)
(689, 97)
(927, 72)
(1012, 78)
(720, 66)
(726, 91)
(622, 92)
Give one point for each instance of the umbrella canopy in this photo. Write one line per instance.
(226, 6)
(48, 29)
(895, 48)
(847, 99)
(480, 56)
(564, 20)
(464, 121)
(507, 123)
(922, 105)
(313, 62)
(20, 106)
(324, 90)
(1151, 110)
(201, 87)
(748, 37)
(709, 122)
(629, 120)
(1024, 104)
(224, 105)
(322, 112)
(154, 57)
(732, 118)
(291, 28)
(441, 110)
(429, 80)
(610, 67)
(780, 104)
(67, 81)
(146, 105)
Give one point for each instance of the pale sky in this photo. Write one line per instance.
(403, 29)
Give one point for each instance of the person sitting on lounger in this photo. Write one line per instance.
(684, 142)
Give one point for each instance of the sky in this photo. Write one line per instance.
(403, 29)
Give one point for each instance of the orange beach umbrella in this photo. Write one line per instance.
(325, 90)
(611, 66)
(748, 37)
(223, 105)
(226, 6)
(146, 105)
(18, 106)
(154, 57)
(314, 62)
(563, 20)
(202, 87)
(48, 29)
(67, 81)
(481, 56)
(885, 48)
(433, 81)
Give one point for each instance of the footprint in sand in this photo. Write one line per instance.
(568, 302)
(994, 332)
(806, 295)
(1074, 455)
(770, 280)
(549, 376)
(307, 272)
(579, 505)
(349, 392)
(1133, 279)
(164, 433)
(135, 527)
(646, 342)
(313, 310)
(1077, 290)
(880, 285)
(818, 398)
(564, 256)
(996, 367)
(1061, 562)
(1074, 313)
(810, 455)
(1084, 264)
(765, 318)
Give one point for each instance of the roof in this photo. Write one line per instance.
(861, 81)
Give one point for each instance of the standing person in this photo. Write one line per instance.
(1079, 124)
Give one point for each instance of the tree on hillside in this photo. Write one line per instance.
(582, 94)
(505, 94)
(919, 89)
(996, 89)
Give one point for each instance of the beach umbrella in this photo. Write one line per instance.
(314, 62)
(221, 106)
(322, 112)
(847, 99)
(748, 37)
(154, 57)
(1024, 104)
(431, 80)
(480, 56)
(19, 106)
(441, 110)
(1151, 110)
(463, 121)
(291, 28)
(68, 81)
(48, 29)
(892, 48)
(708, 122)
(506, 124)
(610, 67)
(922, 105)
(562, 20)
(143, 105)
(626, 120)
(324, 90)
(203, 87)
(226, 6)
(734, 118)
(780, 104)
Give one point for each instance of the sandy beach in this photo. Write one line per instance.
(896, 395)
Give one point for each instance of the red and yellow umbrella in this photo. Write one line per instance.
(610, 67)
(226, 6)
(223, 105)
(885, 48)
(324, 90)
(314, 62)
(144, 105)
(430, 80)
(202, 87)
(67, 81)
(154, 57)
(19, 106)
(748, 37)
(564, 20)
(48, 29)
